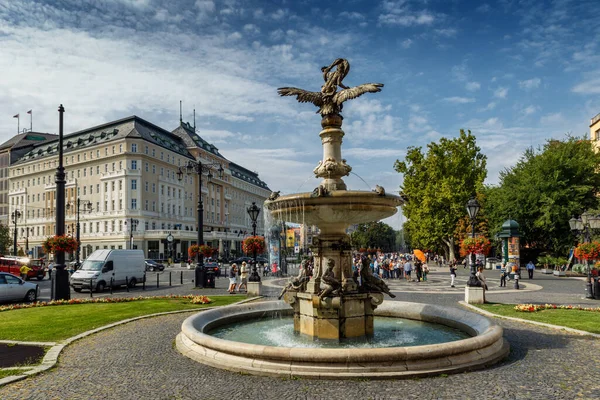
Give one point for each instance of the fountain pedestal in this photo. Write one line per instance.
(334, 318)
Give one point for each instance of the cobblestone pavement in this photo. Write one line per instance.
(138, 361)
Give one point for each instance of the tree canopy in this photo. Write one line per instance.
(544, 190)
(374, 235)
(5, 239)
(437, 186)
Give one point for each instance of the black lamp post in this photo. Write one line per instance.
(133, 223)
(473, 209)
(583, 226)
(15, 216)
(253, 212)
(61, 289)
(87, 206)
(199, 169)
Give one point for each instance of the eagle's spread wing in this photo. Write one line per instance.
(303, 96)
(354, 92)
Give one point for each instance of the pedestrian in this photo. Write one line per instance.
(24, 270)
(418, 269)
(397, 269)
(481, 278)
(530, 268)
(452, 273)
(425, 272)
(407, 269)
(503, 275)
(232, 278)
(243, 277)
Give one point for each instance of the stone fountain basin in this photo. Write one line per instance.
(338, 207)
(486, 346)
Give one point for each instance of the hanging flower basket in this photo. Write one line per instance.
(205, 250)
(478, 245)
(588, 251)
(55, 244)
(253, 244)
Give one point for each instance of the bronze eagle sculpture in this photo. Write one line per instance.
(329, 100)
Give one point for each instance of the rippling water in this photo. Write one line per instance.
(389, 332)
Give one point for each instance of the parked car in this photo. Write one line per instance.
(240, 260)
(214, 266)
(152, 266)
(13, 288)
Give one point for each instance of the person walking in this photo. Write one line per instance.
(232, 278)
(425, 272)
(452, 273)
(24, 270)
(530, 268)
(407, 269)
(243, 278)
(503, 275)
(418, 269)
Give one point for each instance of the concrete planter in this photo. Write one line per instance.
(560, 273)
(546, 271)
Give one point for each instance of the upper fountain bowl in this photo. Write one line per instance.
(336, 210)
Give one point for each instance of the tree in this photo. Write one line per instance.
(5, 239)
(544, 190)
(437, 186)
(375, 235)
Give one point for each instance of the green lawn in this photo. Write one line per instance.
(10, 372)
(583, 320)
(55, 323)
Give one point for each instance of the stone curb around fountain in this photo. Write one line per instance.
(51, 357)
(487, 348)
(528, 321)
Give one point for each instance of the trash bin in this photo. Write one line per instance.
(209, 278)
(490, 263)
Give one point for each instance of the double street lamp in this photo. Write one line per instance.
(200, 169)
(16, 215)
(253, 212)
(133, 223)
(583, 226)
(473, 208)
(87, 207)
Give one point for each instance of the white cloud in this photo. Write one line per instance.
(235, 36)
(399, 13)
(530, 110)
(552, 119)
(364, 106)
(529, 84)
(448, 32)
(590, 86)
(251, 28)
(367, 153)
(205, 6)
(458, 100)
(352, 15)
(472, 86)
(407, 43)
(501, 93)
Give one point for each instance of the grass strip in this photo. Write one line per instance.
(53, 324)
(575, 319)
(10, 372)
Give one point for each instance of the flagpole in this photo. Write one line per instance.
(30, 120)
(18, 124)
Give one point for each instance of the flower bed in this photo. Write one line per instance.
(540, 307)
(194, 299)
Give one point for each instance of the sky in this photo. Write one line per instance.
(515, 73)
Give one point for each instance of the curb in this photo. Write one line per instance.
(558, 327)
(51, 357)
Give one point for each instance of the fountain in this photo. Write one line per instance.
(330, 305)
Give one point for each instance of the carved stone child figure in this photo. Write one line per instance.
(371, 282)
(331, 284)
(298, 283)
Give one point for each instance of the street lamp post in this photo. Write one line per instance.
(198, 168)
(133, 223)
(15, 216)
(473, 208)
(61, 289)
(583, 226)
(87, 207)
(253, 212)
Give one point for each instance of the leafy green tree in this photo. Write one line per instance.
(374, 235)
(544, 190)
(437, 186)
(5, 239)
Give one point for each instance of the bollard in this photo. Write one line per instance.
(144, 283)
(127, 283)
(169, 278)
(181, 277)
(111, 284)
(597, 288)
(516, 277)
(91, 288)
(157, 280)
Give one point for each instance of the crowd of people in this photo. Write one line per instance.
(400, 266)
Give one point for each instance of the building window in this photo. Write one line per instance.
(154, 188)
(153, 209)
(146, 150)
(162, 171)
(161, 155)
(120, 204)
(134, 148)
(105, 226)
(597, 135)
(133, 184)
(146, 225)
(134, 204)
(146, 167)
(120, 165)
(134, 164)
(146, 186)
(153, 169)
(120, 185)
(84, 191)
(112, 205)
(153, 153)
(146, 208)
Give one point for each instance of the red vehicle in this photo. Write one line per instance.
(12, 265)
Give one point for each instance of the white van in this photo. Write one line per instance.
(125, 267)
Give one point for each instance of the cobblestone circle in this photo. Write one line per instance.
(139, 361)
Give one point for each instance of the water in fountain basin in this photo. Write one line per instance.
(389, 332)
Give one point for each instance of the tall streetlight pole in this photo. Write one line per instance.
(61, 291)
(87, 207)
(253, 212)
(584, 225)
(133, 223)
(15, 216)
(473, 208)
(199, 169)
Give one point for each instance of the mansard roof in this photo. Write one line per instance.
(242, 173)
(27, 139)
(192, 140)
(130, 127)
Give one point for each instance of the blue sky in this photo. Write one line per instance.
(514, 72)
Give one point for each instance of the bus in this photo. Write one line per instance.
(13, 264)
